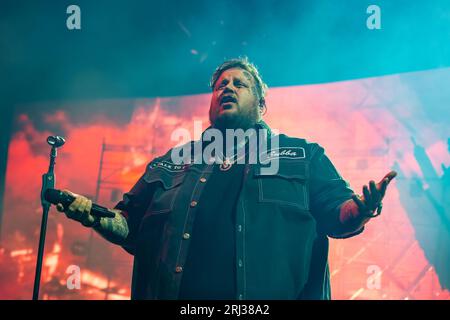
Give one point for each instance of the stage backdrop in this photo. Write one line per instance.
(367, 127)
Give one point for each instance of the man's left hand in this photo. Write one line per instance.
(372, 196)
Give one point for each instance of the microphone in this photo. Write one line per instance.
(56, 141)
(56, 196)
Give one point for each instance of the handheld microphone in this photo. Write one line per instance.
(56, 196)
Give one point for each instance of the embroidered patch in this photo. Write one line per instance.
(169, 166)
(287, 153)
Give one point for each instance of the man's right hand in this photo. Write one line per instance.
(79, 210)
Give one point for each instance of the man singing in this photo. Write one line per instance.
(223, 229)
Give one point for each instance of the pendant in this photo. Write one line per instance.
(225, 165)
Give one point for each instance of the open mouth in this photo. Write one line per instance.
(227, 100)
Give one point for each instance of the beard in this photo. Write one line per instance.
(242, 119)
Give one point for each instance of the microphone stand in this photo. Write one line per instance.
(48, 181)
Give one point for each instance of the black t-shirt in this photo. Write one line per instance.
(209, 272)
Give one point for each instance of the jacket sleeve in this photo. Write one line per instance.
(133, 207)
(328, 192)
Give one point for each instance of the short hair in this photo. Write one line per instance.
(245, 64)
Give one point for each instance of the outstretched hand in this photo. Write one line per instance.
(373, 195)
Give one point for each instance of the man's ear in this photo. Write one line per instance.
(262, 106)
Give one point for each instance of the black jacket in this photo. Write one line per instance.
(283, 222)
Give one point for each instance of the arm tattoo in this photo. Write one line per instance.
(114, 229)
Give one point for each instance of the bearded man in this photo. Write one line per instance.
(222, 229)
